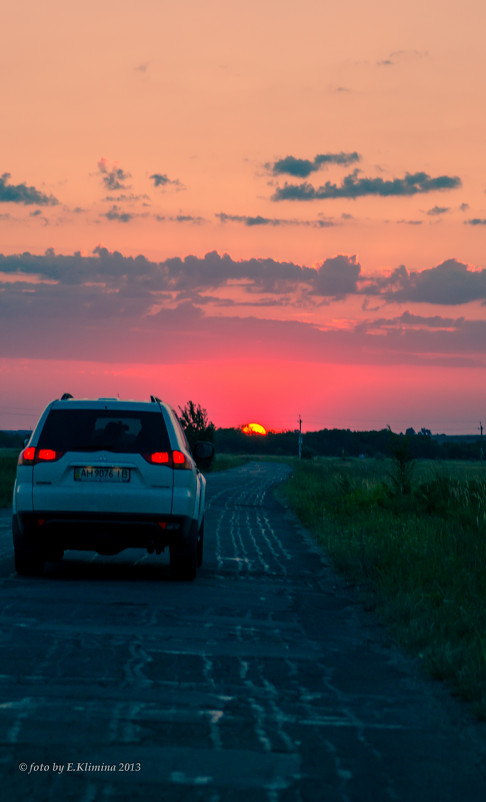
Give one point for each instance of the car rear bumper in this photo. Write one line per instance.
(107, 533)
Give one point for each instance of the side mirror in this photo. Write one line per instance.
(203, 454)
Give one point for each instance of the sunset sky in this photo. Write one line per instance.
(272, 207)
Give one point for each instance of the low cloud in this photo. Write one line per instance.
(302, 168)
(119, 216)
(124, 198)
(402, 55)
(354, 186)
(337, 277)
(437, 211)
(259, 220)
(161, 180)
(21, 193)
(113, 178)
(450, 283)
(187, 218)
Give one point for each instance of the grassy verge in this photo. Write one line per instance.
(413, 538)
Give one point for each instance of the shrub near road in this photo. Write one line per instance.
(415, 540)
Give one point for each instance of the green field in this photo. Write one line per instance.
(412, 537)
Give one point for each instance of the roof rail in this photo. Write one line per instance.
(155, 400)
(66, 396)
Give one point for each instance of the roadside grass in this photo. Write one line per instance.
(413, 538)
(8, 467)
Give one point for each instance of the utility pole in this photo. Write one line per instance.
(300, 437)
(481, 452)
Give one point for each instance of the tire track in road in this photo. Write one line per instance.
(253, 543)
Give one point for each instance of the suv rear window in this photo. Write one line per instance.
(123, 431)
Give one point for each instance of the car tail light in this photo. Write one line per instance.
(171, 459)
(158, 458)
(179, 459)
(32, 455)
(27, 456)
(48, 455)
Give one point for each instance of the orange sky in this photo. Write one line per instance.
(275, 208)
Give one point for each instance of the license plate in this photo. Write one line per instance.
(109, 474)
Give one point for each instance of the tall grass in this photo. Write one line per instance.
(413, 537)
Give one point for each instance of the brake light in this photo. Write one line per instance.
(158, 458)
(47, 455)
(179, 459)
(32, 455)
(27, 456)
(171, 459)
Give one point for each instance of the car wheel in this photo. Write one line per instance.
(183, 564)
(200, 545)
(28, 564)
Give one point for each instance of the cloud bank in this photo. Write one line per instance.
(108, 307)
(302, 168)
(21, 193)
(355, 187)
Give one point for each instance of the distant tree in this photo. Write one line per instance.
(196, 424)
(13, 439)
(425, 432)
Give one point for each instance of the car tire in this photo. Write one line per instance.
(28, 564)
(183, 564)
(200, 545)
(183, 567)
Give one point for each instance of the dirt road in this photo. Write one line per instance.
(262, 680)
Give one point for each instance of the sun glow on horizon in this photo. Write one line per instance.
(254, 428)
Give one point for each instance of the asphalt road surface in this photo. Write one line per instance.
(264, 679)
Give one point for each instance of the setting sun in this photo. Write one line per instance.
(254, 428)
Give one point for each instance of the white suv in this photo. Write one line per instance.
(105, 475)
